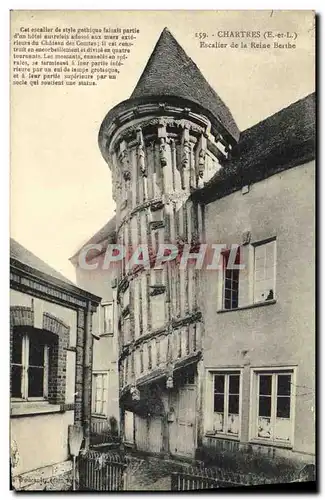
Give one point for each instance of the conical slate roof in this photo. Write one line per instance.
(171, 72)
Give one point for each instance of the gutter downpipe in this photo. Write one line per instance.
(87, 388)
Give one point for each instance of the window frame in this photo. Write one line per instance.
(254, 404)
(225, 256)
(246, 282)
(256, 245)
(104, 333)
(104, 404)
(24, 378)
(211, 372)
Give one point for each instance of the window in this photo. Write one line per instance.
(159, 277)
(127, 332)
(126, 371)
(264, 271)
(185, 376)
(231, 281)
(29, 366)
(273, 406)
(107, 318)
(100, 393)
(141, 361)
(226, 403)
(149, 357)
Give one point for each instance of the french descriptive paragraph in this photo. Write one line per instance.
(54, 56)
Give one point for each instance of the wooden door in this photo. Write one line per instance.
(141, 433)
(148, 433)
(155, 434)
(183, 430)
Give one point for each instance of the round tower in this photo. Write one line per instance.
(161, 144)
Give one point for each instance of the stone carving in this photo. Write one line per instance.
(169, 382)
(186, 150)
(170, 378)
(171, 122)
(135, 393)
(163, 152)
(124, 158)
(201, 168)
(141, 153)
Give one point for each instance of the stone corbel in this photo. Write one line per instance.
(170, 377)
(135, 393)
(141, 153)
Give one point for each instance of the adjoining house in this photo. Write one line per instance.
(105, 388)
(50, 366)
(214, 364)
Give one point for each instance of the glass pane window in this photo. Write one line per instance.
(264, 271)
(29, 365)
(226, 403)
(36, 353)
(231, 282)
(16, 379)
(159, 277)
(274, 406)
(141, 361)
(100, 393)
(107, 318)
(149, 357)
(35, 381)
(17, 348)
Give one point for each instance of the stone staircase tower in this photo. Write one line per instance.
(162, 143)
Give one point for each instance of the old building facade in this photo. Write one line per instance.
(51, 365)
(105, 384)
(211, 362)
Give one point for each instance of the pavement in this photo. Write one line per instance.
(149, 474)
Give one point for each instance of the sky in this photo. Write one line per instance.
(60, 184)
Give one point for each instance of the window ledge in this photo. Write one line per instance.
(18, 409)
(273, 444)
(212, 434)
(99, 415)
(250, 306)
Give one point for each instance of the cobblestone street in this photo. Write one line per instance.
(150, 474)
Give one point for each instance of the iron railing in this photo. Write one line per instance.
(101, 471)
